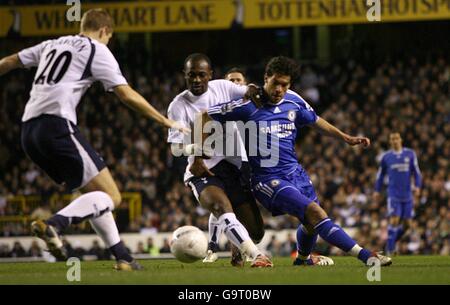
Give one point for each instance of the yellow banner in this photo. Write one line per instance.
(44, 20)
(6, 21)
(279, 13)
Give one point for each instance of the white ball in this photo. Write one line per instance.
(188, 244)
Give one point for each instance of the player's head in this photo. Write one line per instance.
(279, 74)
(236, 76)
(197, 72)
(395, 140)
(97, 23)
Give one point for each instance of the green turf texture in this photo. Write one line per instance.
(347, 270)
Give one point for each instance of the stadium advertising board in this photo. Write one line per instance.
(36, 20)
(276, 13)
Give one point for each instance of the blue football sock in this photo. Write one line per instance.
(364, 255)
(334, 235)
(400, 232)
(392, 238)
(305, 242)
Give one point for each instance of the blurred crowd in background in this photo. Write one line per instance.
(411, 96)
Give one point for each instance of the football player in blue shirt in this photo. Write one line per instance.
(400, 164)
(278, 181)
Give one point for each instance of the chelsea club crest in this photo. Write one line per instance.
(291, 115)
(275, 183)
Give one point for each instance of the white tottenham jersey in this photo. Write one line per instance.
(185, 107)
(67, 67)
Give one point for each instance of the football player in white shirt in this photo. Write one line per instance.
(66, 68)
(217, 184)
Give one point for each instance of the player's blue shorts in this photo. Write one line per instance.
(289, 194)
(400, 208)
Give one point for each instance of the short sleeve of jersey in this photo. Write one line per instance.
(106, 69)
(306, 114)
(30, 57)
(176, 114)
(239, 110)
(236, 91)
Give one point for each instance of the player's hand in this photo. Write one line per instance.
(254, 94)
(199, 169)
(178, 126)
(416, 192)
(365, 142)
(376, 197)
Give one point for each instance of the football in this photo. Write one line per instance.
(189, 244)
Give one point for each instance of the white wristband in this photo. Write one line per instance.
(197, 150)
(189, 149)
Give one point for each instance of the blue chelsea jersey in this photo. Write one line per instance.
(269, 132)
(399, 167)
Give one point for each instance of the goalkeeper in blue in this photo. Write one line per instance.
(278, 181)
(401, 165)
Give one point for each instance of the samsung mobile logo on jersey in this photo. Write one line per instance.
(401, 167)
(280, 130)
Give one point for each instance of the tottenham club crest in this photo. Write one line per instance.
(291, 115)
(275, 183)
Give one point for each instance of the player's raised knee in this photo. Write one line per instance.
(314, 213)
(116, 198)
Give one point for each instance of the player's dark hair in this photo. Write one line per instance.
(96, 18)
(236, 70)
(196, 57)
(284, 66)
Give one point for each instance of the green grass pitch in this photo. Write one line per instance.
(347, 270)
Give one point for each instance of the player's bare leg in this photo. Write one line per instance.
(216, 201)
(334, 235)
(104, 182)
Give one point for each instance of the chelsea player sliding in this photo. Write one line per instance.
(400, 164)
(283, 186)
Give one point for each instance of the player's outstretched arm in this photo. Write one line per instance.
(198, 167)
(138, 103)
(9, 63)
(326, 128)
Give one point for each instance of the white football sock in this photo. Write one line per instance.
(87, 206)
(238, 235)
(355, 250)
(106, 228)
(215, 229)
